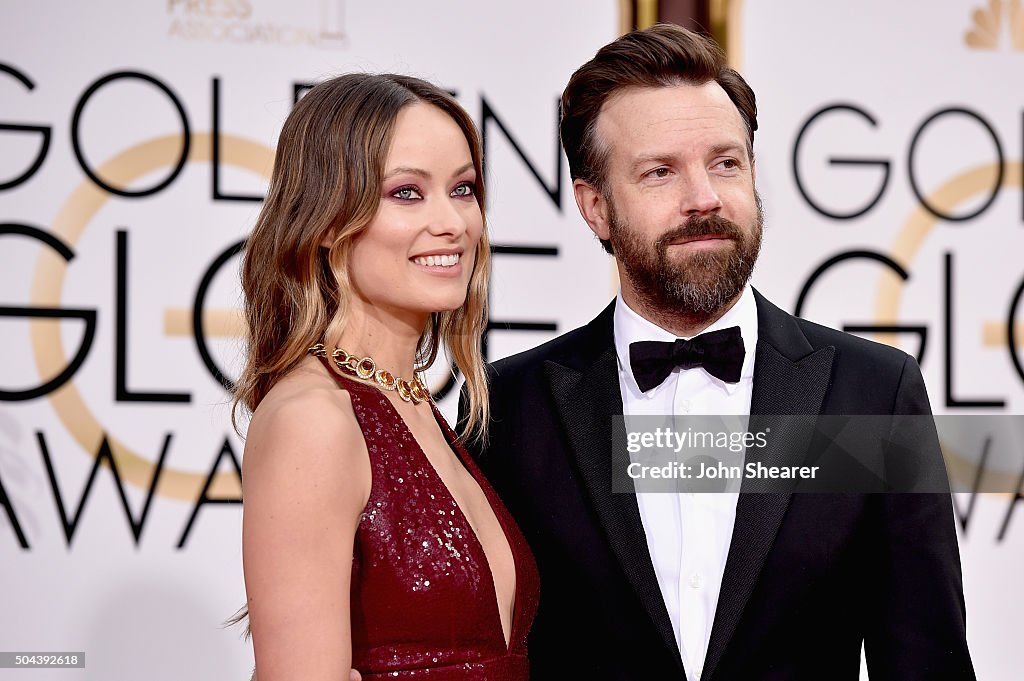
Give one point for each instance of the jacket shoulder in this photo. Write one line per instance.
(784, 330)
(562, 349)
(866, 376)
(576, 349)
(854, 349)
(869, 377)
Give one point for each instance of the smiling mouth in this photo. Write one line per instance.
(438, 260)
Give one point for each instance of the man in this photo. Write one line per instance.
(659, 136)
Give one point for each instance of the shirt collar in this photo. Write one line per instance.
(630, 327)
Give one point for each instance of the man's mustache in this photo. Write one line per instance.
(701, 225)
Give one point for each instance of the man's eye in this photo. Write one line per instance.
(729, 164)
(658, 172)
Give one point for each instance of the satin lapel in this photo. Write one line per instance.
(790, 378)
(586, 402)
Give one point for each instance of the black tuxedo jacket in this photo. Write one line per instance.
(808, 577)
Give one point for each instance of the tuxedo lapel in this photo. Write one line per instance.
(587, 397)
(790, 378)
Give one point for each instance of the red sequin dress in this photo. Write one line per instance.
(423, 604)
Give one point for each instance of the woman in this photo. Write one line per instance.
(370, 539)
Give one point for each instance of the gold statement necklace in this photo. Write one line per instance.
(366, 369)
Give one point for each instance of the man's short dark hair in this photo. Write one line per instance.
(663, 55)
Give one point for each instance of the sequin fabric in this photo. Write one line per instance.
(422, 602)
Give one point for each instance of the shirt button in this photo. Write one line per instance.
(696, 581)
(684, 406)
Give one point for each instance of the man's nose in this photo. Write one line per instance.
(699, 195)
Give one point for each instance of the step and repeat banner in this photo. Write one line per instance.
(889, 157)
(136, 140)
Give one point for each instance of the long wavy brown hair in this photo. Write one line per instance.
(326, 181)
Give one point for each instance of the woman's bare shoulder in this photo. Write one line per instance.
(305, 431)
(305, 483)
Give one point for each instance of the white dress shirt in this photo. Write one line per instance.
(688, 534)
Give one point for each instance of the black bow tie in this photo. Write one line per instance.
(719, 352)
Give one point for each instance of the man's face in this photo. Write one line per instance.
(679, 205)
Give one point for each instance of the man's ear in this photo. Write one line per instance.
(593, 207)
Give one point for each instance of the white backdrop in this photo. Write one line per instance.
(932, 90)
(150, 609)
(108, 77)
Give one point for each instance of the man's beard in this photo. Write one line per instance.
(699, 284)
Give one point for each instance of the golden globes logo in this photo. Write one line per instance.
(150, 464)
(109, 428)
(946, 204)
(988, 24)
(964, 196)
(252, 22)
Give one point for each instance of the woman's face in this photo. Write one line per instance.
(417, 254)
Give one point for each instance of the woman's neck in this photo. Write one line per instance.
(391, 342)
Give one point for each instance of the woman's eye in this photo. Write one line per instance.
(464, 189)
(406, 193)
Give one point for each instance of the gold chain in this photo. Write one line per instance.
(365, 368)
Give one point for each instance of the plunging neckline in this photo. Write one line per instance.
(456, 448)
